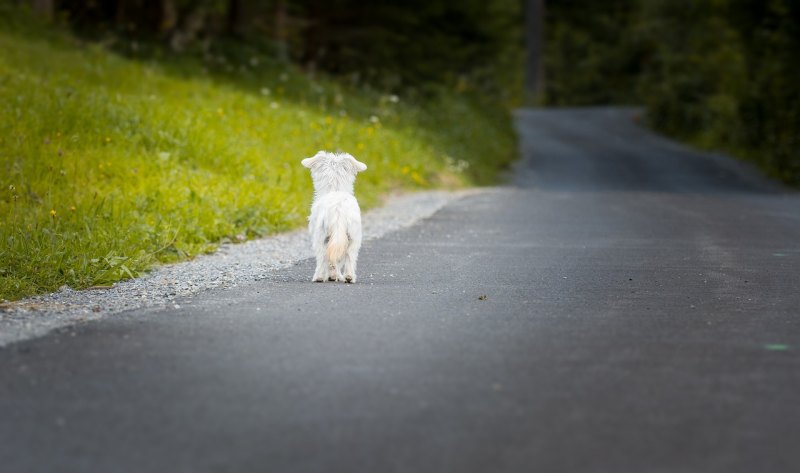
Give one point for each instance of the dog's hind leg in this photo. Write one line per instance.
(350, 264)
(321, 273)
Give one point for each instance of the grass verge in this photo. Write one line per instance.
(111, 164)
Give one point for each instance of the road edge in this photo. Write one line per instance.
(229, 266)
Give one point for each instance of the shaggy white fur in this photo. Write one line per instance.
(335, 220)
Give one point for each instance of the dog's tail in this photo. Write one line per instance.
(338, 240)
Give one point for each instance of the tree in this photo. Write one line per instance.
(534, 50)
(45, 7)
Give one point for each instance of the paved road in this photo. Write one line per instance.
(642, 314)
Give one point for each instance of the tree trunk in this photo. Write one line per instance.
(45, 7)
(534, 49)
(281, 36)
(235, 17)
(169, 17)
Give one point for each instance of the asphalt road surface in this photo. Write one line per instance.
(626, 306)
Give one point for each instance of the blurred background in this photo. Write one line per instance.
(718, 73)
(392, 45)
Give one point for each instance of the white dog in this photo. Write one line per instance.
(335, 220)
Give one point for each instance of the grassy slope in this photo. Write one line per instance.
(110, 165)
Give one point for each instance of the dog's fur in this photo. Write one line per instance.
(335, 220)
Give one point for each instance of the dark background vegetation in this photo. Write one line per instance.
(389, 44)
(720, 74)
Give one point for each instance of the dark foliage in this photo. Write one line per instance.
(413, 41)
(722, 74)
(392, 44)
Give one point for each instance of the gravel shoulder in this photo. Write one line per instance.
(231, 265)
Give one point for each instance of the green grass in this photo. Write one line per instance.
(110, 164)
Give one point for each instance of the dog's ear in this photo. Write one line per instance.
(309, 162)
(357, 165)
